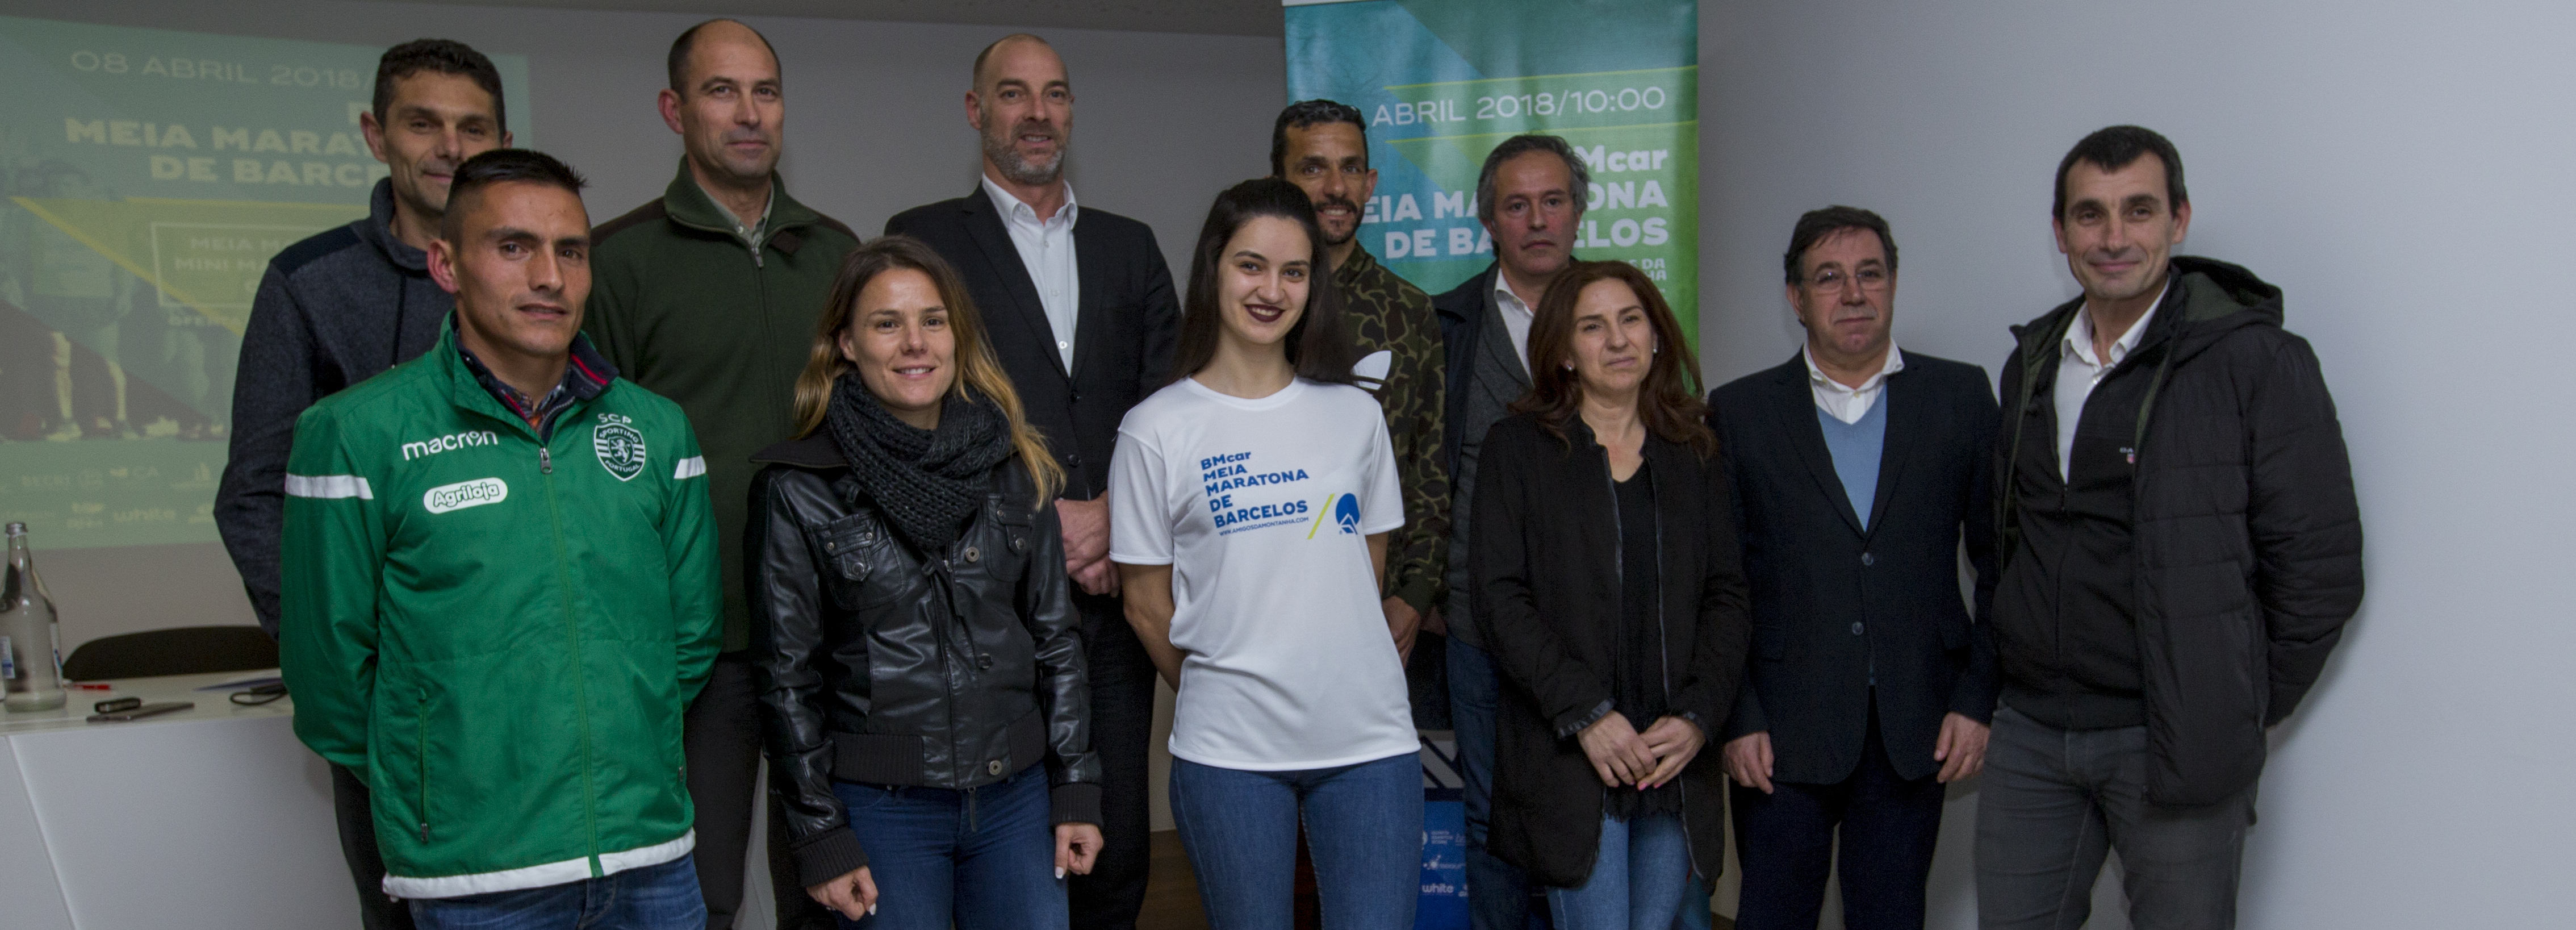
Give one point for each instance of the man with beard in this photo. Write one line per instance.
(1322, 147)
(1085, 320)
(338, 308)
(708, 296)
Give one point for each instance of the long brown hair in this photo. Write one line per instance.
(979, 372)
(1668, 401)
(1317, 345)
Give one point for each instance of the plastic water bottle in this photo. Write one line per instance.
(31, 662)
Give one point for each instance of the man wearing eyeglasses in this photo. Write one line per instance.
(1859, 470)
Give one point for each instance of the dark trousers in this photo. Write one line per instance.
(721, 737)
(357, 816)
(1786, 842)
(1498, 894)
(1122, 729)
(2056, 802)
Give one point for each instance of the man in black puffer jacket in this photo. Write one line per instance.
(2182, 552)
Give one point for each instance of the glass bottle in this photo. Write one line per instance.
(30, 651)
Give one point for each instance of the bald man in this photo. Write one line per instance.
(1082, 314)
(708, 296)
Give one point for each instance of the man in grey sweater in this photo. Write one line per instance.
(339, 308)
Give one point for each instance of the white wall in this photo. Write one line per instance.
(2398, 170)
(876, 124)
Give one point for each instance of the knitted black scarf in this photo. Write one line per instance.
(926, 482)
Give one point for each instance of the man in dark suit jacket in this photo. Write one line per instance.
(1083, 317)
(1859, 470)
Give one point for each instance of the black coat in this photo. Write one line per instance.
(2246, 533)
(1831, 599)
(1127, 324)
(1462, 322)
(876, 664)
(1545, 558)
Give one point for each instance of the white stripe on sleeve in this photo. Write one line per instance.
(328, 486)
(690, 467)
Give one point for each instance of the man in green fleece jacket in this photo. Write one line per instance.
(708, 296)
(500, 589)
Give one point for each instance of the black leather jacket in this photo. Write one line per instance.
(876, 665)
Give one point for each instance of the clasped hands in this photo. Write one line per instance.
(1623, 756)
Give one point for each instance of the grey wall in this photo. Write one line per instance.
(876, 124)
(2398, 170)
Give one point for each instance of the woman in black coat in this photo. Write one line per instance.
(1607, 574)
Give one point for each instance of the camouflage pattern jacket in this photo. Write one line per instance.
(1401, 364)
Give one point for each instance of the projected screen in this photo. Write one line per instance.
(149, 177)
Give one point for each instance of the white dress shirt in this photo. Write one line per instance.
(1516, 318)
(1846, 403)
(1046, 250)
(2078, 370)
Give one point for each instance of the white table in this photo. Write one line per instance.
(212, 817)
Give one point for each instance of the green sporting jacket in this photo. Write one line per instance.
(686, 308)
(501, 635)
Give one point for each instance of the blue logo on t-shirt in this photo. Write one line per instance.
(1347, 513)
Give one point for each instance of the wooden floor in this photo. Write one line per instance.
(1172, 894)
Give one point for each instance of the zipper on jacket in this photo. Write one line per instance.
(572, 639)
(420, 751)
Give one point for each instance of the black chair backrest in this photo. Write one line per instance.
(187, 650)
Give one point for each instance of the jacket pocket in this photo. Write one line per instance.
(856, 549)
(420, 755)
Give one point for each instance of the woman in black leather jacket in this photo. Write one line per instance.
(920, 664)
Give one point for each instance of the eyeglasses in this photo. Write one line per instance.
(1833, 279)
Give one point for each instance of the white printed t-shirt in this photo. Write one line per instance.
(1263, 508)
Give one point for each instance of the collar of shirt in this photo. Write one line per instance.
(584, 377)
(1017, 212)
(752, 235)
(2079, 337)
(1842, 401)
(1516, 316)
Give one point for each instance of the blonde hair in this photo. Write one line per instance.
(979, 372)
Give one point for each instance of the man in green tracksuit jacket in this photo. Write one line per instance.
(500, 589)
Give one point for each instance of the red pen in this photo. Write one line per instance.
(91, 686)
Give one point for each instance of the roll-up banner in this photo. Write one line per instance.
(1442, 82)
(146, 178)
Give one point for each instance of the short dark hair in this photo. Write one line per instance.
(1579, 175)
(688, 41)
(2112, 148)
(503, 166)
(1318, 346)
(1818, 225)
(1305, 113)
(445, 56)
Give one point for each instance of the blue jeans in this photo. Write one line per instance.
(1637, 879)
(982, 857)
(655, 897)
(1497, 891)
(2055, 803)
(1363, 828)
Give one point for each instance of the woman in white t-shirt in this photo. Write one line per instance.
(1250, 502)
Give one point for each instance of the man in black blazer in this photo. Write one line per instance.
(1859, 469)
(1083, 316)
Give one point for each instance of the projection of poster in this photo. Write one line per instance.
(149, 176)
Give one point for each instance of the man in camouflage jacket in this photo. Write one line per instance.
(1322, 147)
